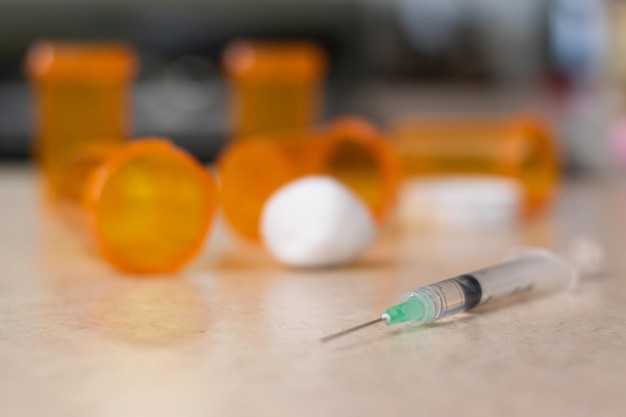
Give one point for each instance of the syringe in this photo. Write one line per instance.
(537, 271)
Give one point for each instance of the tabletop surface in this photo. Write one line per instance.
(237, 334)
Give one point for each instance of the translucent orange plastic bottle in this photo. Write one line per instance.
(82, 96)
(275, 86)
(349, 149)
(521, 147)
(147, 205)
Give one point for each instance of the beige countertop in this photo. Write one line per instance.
(237, 335)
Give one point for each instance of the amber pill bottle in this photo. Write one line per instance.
(348, 149)
(274, 86)
(520, 147)
(146, 205)
(82, 96)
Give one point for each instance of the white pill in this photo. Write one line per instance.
(316, 222)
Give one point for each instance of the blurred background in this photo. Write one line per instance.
(559, 58)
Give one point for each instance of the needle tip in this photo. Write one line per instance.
(352, 329)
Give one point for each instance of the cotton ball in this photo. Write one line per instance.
(316, 222)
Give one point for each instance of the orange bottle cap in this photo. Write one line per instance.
(101, 62)
(150, 206)
(275, 61)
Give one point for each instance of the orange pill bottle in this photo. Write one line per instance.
(82, 96)
(350, 150)
(147, 205)
(520, 147)
(274, 86)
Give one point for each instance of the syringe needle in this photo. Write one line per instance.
(352, 329)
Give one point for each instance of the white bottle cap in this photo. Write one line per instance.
(461, 203)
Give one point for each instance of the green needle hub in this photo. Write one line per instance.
(416, 310)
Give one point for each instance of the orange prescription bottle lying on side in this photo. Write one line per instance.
(82, 96)
(520, 147)
(349, 149)
(274, 86)
(147, 204)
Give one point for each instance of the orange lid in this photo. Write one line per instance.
(279, 61)
(85, 61)
(150, 206)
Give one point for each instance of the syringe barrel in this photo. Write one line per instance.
(536, 271)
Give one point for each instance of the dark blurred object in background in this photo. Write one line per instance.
(385, 57)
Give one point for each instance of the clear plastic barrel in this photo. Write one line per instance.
(536, 271)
